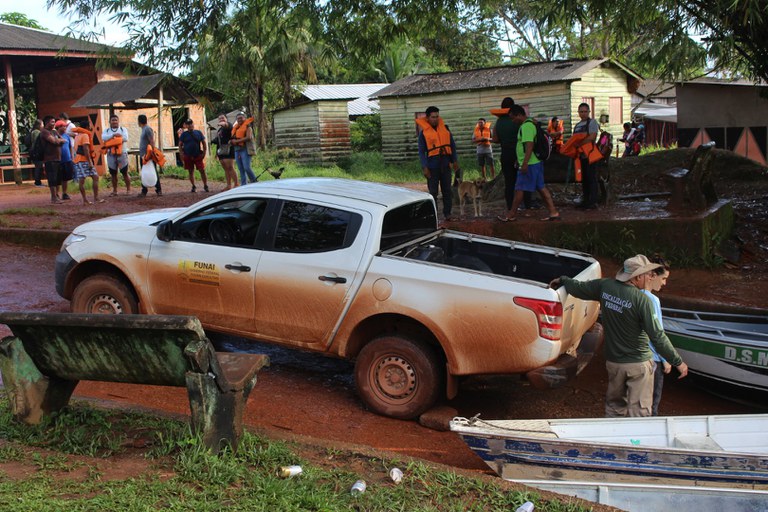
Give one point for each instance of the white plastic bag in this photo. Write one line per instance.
(148, 175)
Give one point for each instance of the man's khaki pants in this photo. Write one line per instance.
(630, 389)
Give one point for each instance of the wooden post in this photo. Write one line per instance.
(159, 141)
(14, 130)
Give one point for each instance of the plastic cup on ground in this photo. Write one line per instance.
(396, 474)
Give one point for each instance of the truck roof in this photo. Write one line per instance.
(349, 190)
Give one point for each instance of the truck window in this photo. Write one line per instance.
(307, 227)
(406, 222)
(233, 222)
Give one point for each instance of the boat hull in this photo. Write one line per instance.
(535, 442)
(728, 350)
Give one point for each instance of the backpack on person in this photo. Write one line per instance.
(542, 143)
(37, 151)
(605, 144)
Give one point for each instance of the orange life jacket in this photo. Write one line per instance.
(438, 139)
(78, 142)
(484, 133)
(588, 150)
(239, 131)
(113, 145)
(155, 155)
(500, 112)
(554, 128)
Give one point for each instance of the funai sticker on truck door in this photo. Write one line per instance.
(198, 272)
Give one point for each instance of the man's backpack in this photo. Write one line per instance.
(542, 144)
(605, 143)
(37, 151)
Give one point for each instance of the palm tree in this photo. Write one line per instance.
(263, 43)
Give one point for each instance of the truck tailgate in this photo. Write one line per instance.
(578, 315)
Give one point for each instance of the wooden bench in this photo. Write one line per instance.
(50, 352)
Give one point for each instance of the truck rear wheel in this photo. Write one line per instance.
(103, 293)
(398, 377)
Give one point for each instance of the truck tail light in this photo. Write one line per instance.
(548, 313)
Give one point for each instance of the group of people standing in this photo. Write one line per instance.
(63, 151)
(521, 167)
(234, 143)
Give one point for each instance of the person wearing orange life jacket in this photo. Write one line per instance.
(83, 161)
(241, 135)
(482, 136)
(589, 171)
(147, 140)
(437, 154)
(555, 128)
(117, 158)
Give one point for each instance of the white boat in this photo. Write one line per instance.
(726, 448)
(687, 463)
(729, 350)
(651, 497)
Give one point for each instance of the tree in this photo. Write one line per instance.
(17, 18)
(263, 45)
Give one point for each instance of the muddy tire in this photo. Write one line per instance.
(398, 377)
(102, 293)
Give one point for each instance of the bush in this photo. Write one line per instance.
(365, 133)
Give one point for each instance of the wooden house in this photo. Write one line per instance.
(60, 74)
(731, 113)
(545, 89)
(316, 126)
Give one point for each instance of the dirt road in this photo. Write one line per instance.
(309, 395)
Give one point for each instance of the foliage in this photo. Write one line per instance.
(365, 133)
(20, 19)
(653, 148)
(180, 474)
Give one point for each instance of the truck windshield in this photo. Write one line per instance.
(407, 222)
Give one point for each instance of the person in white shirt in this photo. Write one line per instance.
(117, 158)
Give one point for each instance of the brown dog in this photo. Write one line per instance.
(474, 191)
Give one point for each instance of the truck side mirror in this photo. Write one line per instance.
(165, 231)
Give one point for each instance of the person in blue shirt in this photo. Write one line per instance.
(662, 367)
(67, 166)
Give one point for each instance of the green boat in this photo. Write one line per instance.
(729, 350)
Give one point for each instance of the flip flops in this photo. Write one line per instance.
(552, 218)
(506, 219)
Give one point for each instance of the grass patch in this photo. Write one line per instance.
(32, 211)
(182, 475)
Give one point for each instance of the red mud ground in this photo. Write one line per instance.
(309, 399)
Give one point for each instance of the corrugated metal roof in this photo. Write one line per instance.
(129, 90)
(656, 89)
(360, 105)
(13, 37)
(491, 78)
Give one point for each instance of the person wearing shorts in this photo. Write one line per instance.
(117, 158)
(482, 136)
(192, 148)
(83, 162)
(67, 165)
(530, 176)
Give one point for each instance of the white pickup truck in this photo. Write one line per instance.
(353, 269)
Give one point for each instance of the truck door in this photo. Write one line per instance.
(208, 269)
(309, 270)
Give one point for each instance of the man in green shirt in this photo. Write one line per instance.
(630, 321)
(530, 175)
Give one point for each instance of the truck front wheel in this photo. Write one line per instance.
(398, 377)
(103, 293)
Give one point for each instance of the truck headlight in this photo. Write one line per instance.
(72, 239)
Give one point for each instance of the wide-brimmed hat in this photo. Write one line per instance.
(635, 266)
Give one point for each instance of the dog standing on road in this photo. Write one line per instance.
(474, 191)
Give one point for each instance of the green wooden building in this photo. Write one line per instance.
(545, 89)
